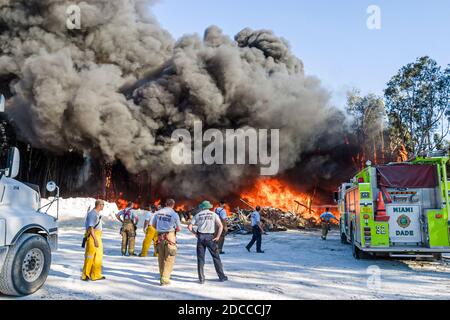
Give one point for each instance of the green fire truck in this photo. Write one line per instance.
(398, 210)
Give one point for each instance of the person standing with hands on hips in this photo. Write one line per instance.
(166, 222)
(258, 230)
(207, 237)
(129, 222)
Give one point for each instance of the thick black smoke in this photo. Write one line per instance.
(116, 89)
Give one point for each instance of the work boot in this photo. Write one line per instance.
(224, 279)
(102, 278)
(221, 252)
(261, 251)
(248, 249)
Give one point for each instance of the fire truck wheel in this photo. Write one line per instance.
(26, 266)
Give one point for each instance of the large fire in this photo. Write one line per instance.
(266, 192)
(272, 192)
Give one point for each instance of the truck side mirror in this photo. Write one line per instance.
(51, 186)
(13, 167)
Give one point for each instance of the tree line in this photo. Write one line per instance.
(411, 119)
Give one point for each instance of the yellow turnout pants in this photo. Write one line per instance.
(150, 235)
(167, 250)
(93, 257)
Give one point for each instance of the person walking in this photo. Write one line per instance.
(258, 230)
(222, 213)
(93, 258)
(206, 222)
(129, 222)
(151, 235)
(166, 222)
(326, 218)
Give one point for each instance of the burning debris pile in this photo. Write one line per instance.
(274, 220)
(278, 220)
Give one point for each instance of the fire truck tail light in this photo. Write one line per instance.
(366, 217)
(439, 216)
(360, 180)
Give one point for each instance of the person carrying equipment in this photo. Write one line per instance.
(129, 222)
(92, 269)
(206, 222)
(222, 213)
(326, 225)
(151, 235)
(166, 222)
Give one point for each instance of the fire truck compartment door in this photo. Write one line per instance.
(437, 228)
(404, 223)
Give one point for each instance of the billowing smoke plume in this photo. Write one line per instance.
(117, 88)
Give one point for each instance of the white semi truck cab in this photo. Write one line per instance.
(27, 235)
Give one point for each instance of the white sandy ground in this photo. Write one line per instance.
(296, 265)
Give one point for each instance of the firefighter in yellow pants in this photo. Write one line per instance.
(166, 222)
(150, 233)
(92, 269)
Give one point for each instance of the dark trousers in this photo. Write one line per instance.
(257, 237)
(206, 241)
(222, 236)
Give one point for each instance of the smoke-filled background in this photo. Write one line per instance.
(108, 97)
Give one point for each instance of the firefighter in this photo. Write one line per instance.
(326, 218)
(258, 230)
(92, 269)
(166, 222)
(151, 235)
(222, 213)
(206, 222)
(129, 222)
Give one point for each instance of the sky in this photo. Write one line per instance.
(330, 37)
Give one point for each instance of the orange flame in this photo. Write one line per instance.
(272, 192)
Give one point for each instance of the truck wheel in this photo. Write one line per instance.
(26, 266)
(357, 254)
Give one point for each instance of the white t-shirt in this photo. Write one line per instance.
(206, 221)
